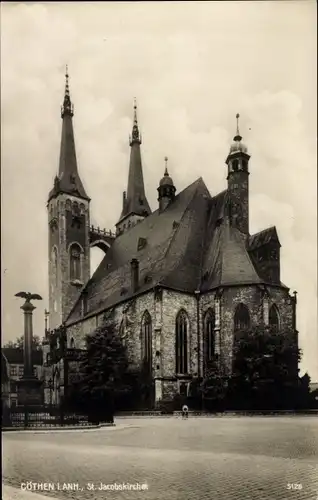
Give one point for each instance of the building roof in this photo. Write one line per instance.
(263, 238)
(14, 356)
(188, 246)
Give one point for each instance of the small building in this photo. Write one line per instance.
(14, 360)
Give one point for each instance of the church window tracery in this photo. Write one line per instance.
(146, 340)
(182, 343)
(75, 262)
(274, 317)
(55, 265)
(209, 325)
(241, 318)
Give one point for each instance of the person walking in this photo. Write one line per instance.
(185, 411)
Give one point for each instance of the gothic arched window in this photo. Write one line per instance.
(209, 340)
(76, 209)
(146, 340)
(55, 266)
(68, 204)
(241, 318)
(75, 262)
(235, 165)
(274, 317)
(72, 343)
(182, 343)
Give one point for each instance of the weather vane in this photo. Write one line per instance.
(237, 123)
(166, 165)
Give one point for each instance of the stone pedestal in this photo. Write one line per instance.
(30, 392)
(29, 387)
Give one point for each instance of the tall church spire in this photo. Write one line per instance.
(68, 179)
(135, 204)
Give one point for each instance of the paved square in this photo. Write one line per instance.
(224, 458)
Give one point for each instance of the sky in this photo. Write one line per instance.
(191, 66)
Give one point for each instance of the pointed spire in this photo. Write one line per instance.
(238, 137)
(135, 136)
(135, 202)
(67, 108)
(68, 179)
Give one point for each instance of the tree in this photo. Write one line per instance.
(265, 369)
(19, 342)
(103, 373)
(214, 387)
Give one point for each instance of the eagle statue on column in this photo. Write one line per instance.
(28, 296)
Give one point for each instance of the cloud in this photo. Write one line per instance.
(192, 67)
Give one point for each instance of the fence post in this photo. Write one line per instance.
(26, 417)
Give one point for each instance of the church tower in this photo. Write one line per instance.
(135, 204)
(238, 172)
(68, 219)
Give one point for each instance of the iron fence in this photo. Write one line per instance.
(19, 417)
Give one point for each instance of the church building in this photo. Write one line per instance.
(179, 279)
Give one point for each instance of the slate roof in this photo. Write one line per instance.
(227, 261)
(263, 238)
(189, 246)
(14, 356)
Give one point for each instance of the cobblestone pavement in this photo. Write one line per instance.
(235, 458)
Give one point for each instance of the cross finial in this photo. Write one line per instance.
(166, 165)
